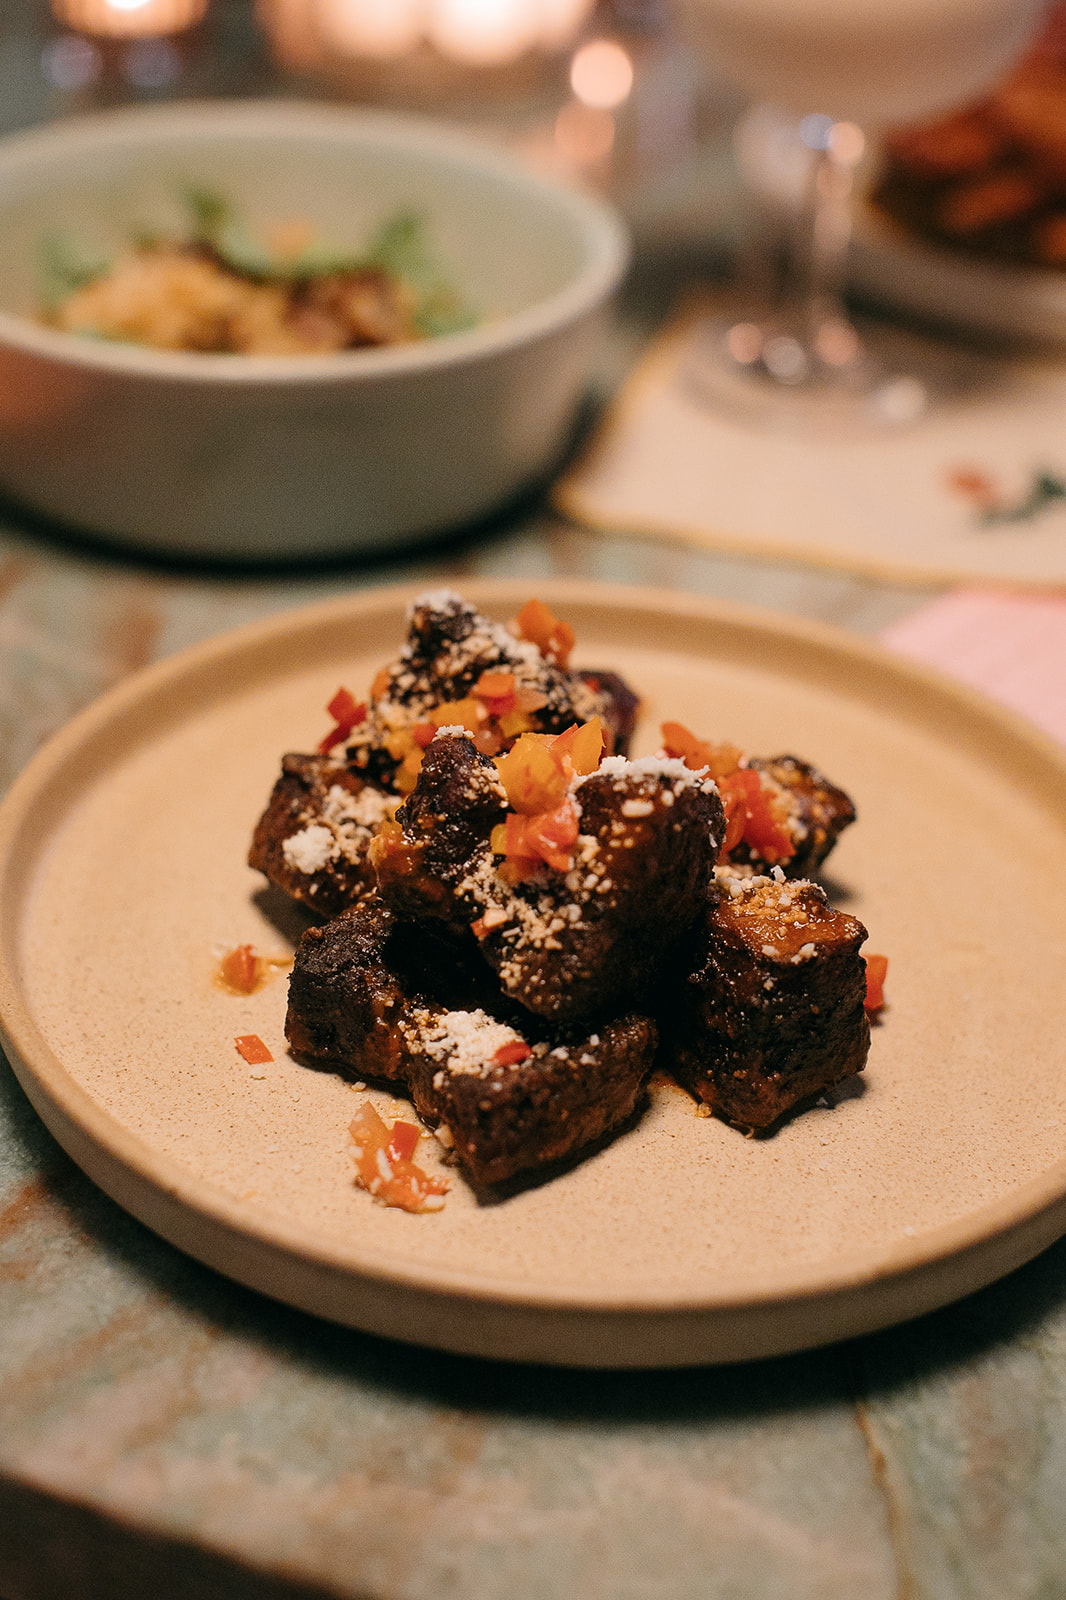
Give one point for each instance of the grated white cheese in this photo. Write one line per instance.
(367, 809)
(311, 849)
(648, 767)
(463, 1041)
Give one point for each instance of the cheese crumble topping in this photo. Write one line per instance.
(464, 1041)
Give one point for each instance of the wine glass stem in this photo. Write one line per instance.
(815, 274)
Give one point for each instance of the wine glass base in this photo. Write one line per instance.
(762, 373)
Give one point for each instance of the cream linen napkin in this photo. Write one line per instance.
(975, 492)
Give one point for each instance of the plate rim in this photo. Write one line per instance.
(961, 292)
(1005, 1232)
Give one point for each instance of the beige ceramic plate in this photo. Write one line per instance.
(122, 873)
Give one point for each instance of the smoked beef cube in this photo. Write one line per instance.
(313, 837)
(620, 707)
(446, 823)
(506, 1113)
(574, 944)
(772, 1011)
(400, 1003)
(450, 644)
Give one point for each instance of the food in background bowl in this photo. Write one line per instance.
(297, 455)
(219, 288)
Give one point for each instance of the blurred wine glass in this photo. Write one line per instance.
(841, 69)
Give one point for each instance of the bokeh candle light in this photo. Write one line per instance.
(369, 27)
(129, 19)
(470, 33)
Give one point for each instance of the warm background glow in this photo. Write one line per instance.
(601, 74)
(369, 27)
(129, 19)
(477, 33)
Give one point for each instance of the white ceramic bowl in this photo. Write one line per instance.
(239, 457)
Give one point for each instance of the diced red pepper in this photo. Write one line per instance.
(497, 692)
(345, 708)
(876, 972)
(680, 742)
(549, 837)
(750, 817)
(239, 970)
(403, 1141)
(509, 1054)
(333, 738)
(735, 792)
(252, 1048)
(553, 835)
(765, 831)
(581, 745)
(347, 713)
(514, 835)
(384, 1166)
(554, 639)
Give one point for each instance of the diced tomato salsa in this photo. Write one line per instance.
(239, 969)
(876, 972)
(347, 713)
(752, 807)
(252, 1048)
(384, 1166)
(720, 759)
(537, 773)
(751, 817)
(554, 639)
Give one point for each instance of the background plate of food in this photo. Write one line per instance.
(965, 221)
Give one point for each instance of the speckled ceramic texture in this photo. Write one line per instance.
(122, 852)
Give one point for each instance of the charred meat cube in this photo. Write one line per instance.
(508, 1105)
(387, 1000)
(817, 813)
(440, 829)
(312, 839)
(772, 1010)
(780, 811)
(450, 644)
(620, 707)
(345, 1001)
(574, 943)
(354, 979)
(457, 667)
(456, 664)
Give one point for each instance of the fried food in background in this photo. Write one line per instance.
(991, 178)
